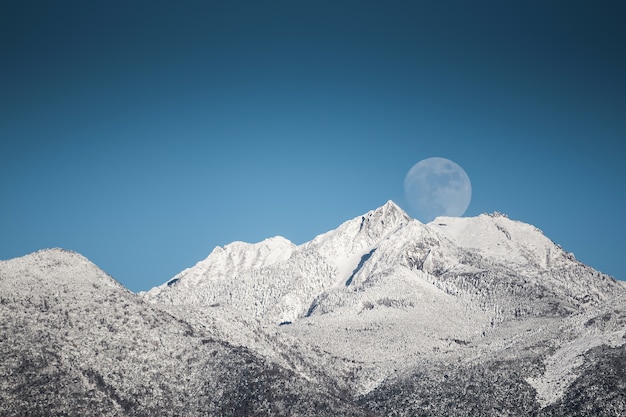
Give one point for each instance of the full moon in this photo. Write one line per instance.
(437, 187)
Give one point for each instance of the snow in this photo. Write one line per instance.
(228, 261)
(72, 340)
(276, 281)
(499, 237)
(281, 280)
(443, 290)
(453, 291)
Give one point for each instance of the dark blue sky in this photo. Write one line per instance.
(143, 134)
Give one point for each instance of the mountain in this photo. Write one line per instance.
(381, 316)
(278, 281)
(275, 280)
(74, 342)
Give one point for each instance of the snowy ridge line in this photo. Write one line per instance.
(401, 289)
(383, 314)
(278, 281)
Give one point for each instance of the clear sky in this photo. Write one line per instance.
(144, 134)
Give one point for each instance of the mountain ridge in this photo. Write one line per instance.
(74, 342)
(348, 254)
(383, 315)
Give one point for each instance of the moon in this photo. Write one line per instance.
(437, 187)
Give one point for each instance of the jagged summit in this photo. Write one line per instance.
(392, 210)
(391, 207)
(361, 232)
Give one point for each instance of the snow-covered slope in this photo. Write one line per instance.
(381, 316)
(233, 259)
(282, 285)
(497, 237)
(400, 290)
(73, 342)
(275, 281)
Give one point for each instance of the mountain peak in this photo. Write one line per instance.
(363, 231)
(391, 207)
(54, 268)
(391, 204)
(389, 212)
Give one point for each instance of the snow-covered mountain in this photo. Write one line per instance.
(381, 316)
(73, 342)
(402, 291)
(275, 280)
(488, 263)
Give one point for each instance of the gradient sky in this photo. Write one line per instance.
(143, 134)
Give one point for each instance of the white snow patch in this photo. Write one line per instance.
(497, 236)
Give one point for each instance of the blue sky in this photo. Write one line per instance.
(143, 134)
